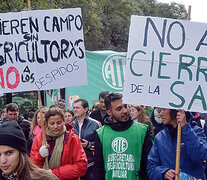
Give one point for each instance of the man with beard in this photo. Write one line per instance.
(121, 145)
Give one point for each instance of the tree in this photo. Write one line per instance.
(91, 20)
(12, 5)
(115, 17)
(105, 22)
(172, 10)
(149, 7)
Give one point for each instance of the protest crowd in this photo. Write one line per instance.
(112, 141)
(119, 138)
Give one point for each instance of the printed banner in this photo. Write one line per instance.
(51, 97)
(41, 50)
(105, 71)
(167, 64)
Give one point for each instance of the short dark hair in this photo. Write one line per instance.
(30, 114)
(103, 94)
(84, 102)
(110, 98)
(12, 107)
(61, 101)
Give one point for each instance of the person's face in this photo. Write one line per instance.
(13, 115)
(79, 111)
(55, 124)
(39, 119)
(68, 117)
(3, 113)
(134, 113)
(9, 159)
(61, 105)
(62, 108)
(119, 111)
(102, 104)
(166, 118)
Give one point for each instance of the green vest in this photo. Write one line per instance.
(122, 151)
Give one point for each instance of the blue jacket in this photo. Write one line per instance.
(162, 156)
(88, 133)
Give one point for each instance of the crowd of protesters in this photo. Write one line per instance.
(111, 141)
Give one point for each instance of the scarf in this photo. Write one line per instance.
(55, 160)
(12, 176)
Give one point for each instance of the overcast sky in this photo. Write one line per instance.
(198, 8)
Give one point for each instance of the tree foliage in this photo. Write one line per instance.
(12, 5)
(106, 23)
(172, 10)
(115, 19)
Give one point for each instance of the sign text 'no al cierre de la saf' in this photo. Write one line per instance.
(41, 50)
(167, 64)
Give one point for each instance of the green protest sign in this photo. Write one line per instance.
(104, 71)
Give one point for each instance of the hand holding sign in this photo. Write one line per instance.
(170, 174)
(181, 117)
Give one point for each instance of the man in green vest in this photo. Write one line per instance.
(121, 145)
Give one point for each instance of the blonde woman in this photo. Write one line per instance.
(36, 123)
(139, 115)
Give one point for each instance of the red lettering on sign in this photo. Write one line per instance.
(9, 71)
(2, 78)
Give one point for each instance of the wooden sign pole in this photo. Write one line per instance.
(189, 13)
(177, 166)
(29, 5)
(43, 128)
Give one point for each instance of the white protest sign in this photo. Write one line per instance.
(167, 64)
(42, 50)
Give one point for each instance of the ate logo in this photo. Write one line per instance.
(119, 145)
(113, 70)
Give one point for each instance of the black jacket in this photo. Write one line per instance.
(99, 171)
(96, 114)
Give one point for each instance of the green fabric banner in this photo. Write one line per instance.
(51, 97)
(105, 71)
